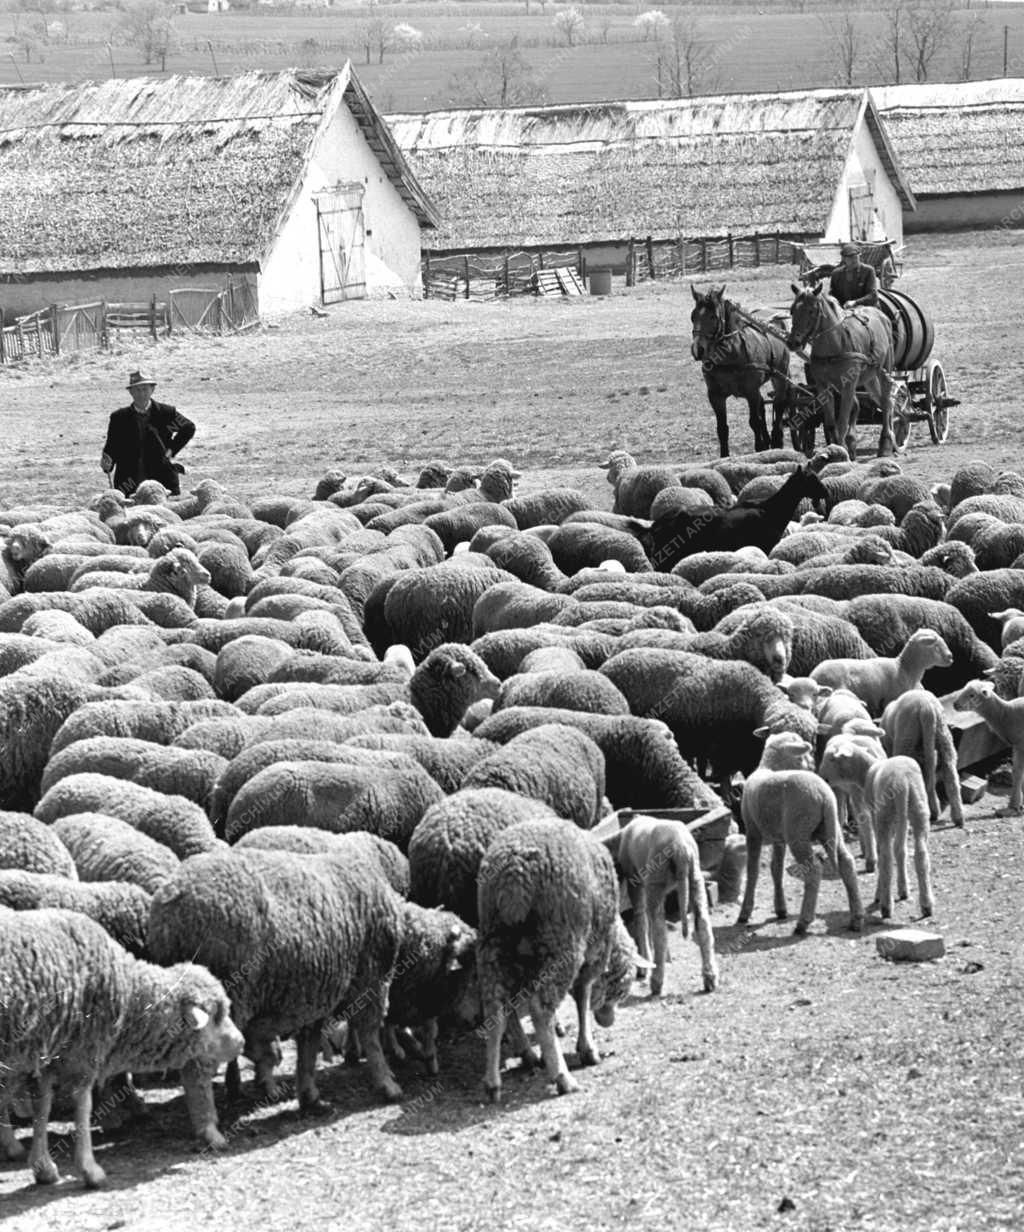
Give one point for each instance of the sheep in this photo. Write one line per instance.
(332, 595)
(886, 622)
(427, 606)
(172, 820)
(104, 1012)
(549, 923)
(971, 479)
(150, 673)
(297, 939)
(952, 557)
(894, 791)
(450, 841)
(584, 690)
(100, 608)
(178, 573)
(787, 805)
(841, 712)
(813, 635)
(676, 498)
(446, 761)
(915, 726)
(642, 763)
(879, 681)
(57, 627)
(654, 857)
(105, 848)
(977, 596)
(763, 638)
(516, 605)
(191, 773)
(170, 683)
(1012, 621)
(577, 545)
(710, 481)
(713, 707)
(896, 492)
(156, 721)
(121, 907)
(550, 506)
(850, 581)
(386, 794)
(384, 855)
(1005, 508)
(561, 766)
(27, 844)
(1006, 719)
(635, 486)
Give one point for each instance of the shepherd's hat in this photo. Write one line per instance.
(849, 250)
(140, 378)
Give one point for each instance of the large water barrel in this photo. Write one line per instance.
(913, 334)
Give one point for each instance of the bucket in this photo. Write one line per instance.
(601, 282)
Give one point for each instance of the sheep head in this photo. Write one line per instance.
(974, 695)
(785, 750)
(615, 981)
(617, 463)
(178, 573)
(766, 641)
(929, 647)
(448, 681)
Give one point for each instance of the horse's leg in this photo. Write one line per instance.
(780, 398)
(886, 443)
(717, 400)
(846, 427)
(755, 405)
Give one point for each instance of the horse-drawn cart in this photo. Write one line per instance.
(919, 389)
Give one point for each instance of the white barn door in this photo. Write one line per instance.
(342, 237)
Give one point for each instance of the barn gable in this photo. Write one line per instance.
(176, 172)
(591, 173)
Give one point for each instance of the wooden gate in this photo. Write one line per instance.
(339, 213)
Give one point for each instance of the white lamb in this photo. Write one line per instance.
(915, 726)
(840, 711)
(1006, 719)
(894, 791)
(655, 857)
(787, 805)
(877, 682)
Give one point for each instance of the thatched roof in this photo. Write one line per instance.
(578, 174)
(178, 171)
(957, 137)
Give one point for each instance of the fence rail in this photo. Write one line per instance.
(683, 257)
(77, 327)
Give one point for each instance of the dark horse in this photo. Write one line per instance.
(736, 360)
(849, 351)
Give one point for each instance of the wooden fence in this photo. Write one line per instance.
(477, 276)
(77, 327)
(683, 257)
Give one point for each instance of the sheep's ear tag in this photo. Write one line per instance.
(456, 670)
(197, 1016)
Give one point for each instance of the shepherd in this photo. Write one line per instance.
(144, 438)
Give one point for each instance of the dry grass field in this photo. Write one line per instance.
(745, 47)
(851, 1092)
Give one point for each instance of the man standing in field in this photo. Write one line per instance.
(143, 439)
(854, 284)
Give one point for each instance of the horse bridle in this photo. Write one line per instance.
(810, 337)
(711, 341)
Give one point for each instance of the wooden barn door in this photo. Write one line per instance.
(341, 234)
(862, 201)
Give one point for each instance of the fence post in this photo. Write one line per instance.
(703, 254)
(507, 276)
(39, 333)
(3, 339)
(21, 337)
(777, 248)
(104, 341)
(426, 275)
(732, 254)
(466, 268)
(650, 258)
(757, 249)
(152, 316)
(55, 319)
(630, 261)
(681, 245)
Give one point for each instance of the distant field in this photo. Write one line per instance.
(750, 50)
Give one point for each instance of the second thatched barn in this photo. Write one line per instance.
(801, 165)
(125, 189)
(962, 144)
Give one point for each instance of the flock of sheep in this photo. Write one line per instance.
(342, 768)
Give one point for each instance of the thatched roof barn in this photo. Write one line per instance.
(592, 173)
(962, 144)
(108, 186)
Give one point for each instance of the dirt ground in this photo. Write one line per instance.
(821, 1087)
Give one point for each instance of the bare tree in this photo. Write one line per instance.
(30, 35)
(683, 63)
(503, 78)
(891, 46)
(569, 23)
(844, 40)
(149, 26)
(972, 27)
(929, 25)
(374, 36)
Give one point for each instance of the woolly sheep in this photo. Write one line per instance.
(450, 841)
(785, 804)
(549, 924)
(915, 725)
(105, 848)
(98, 609)
(635, 486)
(156, 721)
(297, 939)
(384, 855)
(387, 797)
(191, 773)
(879, 681)
(446, 761)
(894, 791)
(814, 635)
(177, 573)
(172, 820)
(675, 498)
(516, 605)
(977, 596)
(58, 627)
(575, 545)
(952, 557)
(552, 505)
(106, 1012)
(27, 844)
(121, 907)
(643, 767)
(576, 690)
(654, 857)
(558, 765)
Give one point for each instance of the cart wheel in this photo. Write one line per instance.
(938, 412)
(901, 425)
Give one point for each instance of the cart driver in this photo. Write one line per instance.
(854, 284)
